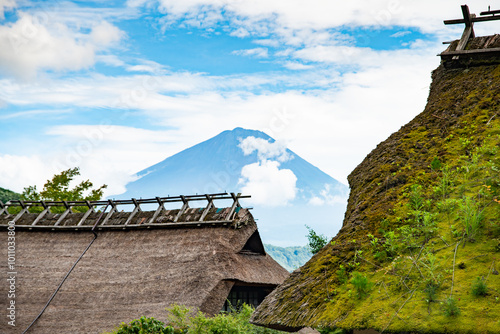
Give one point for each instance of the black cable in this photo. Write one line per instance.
(69, 272)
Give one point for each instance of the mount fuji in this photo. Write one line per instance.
(287, 191)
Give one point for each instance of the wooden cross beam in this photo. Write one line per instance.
(469, 20)
(490, 12)
(469, 27)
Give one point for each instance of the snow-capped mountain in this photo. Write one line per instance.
(287, 191)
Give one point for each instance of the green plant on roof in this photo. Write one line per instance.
(443, 188)
(471, 216)
(451, 308)
(431, 289)
(361, 284)
(479, 288)
(436, 164)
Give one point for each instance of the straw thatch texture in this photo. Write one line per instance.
(130, 273)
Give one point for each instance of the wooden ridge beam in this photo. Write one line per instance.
(110, 213)
(41, 214)
(87, 214)
(4, 208)
(158, 211)
(207, 208)
(132, 214)
(236, 204)
(185, 205)
(22, 212)
(64, 214)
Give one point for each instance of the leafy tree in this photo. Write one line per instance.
(58, 189)
(316, 242)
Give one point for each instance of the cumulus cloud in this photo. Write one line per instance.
(18, 171)
(30, 45)
(269, 185)
(265, 149)
(104, 34)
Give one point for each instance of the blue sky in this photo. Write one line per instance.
(116, 86)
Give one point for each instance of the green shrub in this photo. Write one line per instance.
(181, 320)
(342, 274)
(471, 216)
(479, 287)
(361, 284)
(430, 291)
(144, 326)
(450, 307)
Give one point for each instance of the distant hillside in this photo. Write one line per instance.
(6, 195)
(290, 258)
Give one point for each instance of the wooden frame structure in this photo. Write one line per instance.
(197, 217)
(468, 34)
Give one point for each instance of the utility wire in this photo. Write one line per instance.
(69, 272)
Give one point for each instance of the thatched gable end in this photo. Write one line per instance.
(133, 271)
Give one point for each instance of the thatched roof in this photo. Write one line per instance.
(132, 272)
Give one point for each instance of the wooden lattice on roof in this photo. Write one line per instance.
(73, 218)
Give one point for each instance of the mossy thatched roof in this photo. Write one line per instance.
(421, 231)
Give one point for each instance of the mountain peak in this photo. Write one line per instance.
(246, 161)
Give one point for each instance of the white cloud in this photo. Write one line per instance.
(256, 52)
(105, 34)
(265, 149)
(240, 32)
(331, 127)
(106, 154)
(6, 5)
(334, 125)
(34, 113)
(28, 46)
(17, 171)
(269, 185)
(20, 171)
(110, 60)
(401, 33)
(298, 22)
(328, 196)
(293, 65)
(146, 66)
(267, 42)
